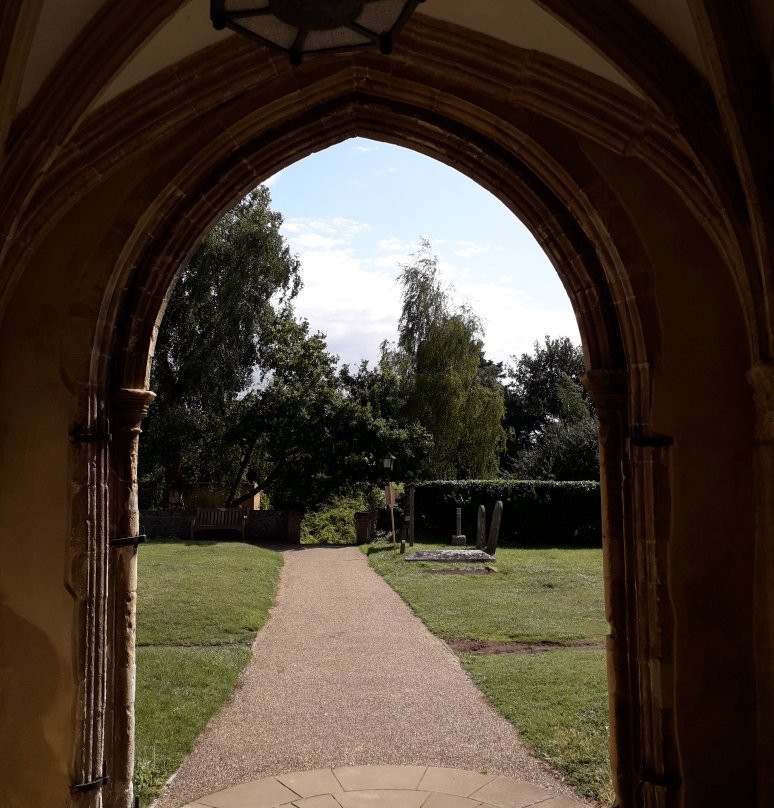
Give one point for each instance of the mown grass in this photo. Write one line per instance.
(535, 596)
(558, 702)
(556, 699)
(199, 607)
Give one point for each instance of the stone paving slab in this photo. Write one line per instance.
(386, 787)
(451, 556)
(344, 676)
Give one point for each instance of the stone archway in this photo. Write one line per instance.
(584, 251)
(608, 187)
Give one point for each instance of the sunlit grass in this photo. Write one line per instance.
(536, 595)
(556, 699)
(199, 607)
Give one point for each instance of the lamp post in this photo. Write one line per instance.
(388, 461)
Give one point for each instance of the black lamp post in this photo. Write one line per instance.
(303, 28)
(388, 461)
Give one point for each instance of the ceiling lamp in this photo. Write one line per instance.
(307, 27)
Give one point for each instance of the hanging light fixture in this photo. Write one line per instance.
(307, 27)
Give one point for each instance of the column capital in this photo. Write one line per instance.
(761, 379)
(128, 407)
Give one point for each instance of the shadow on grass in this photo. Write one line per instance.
(379, 548)
(186, 542)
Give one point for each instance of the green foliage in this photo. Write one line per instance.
(318, 432)
(544, 513)
(198, 609)
(210, 339)
(550, 421)
(447, 383)
(334, 523)
(246, 390)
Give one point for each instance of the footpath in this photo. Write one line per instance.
(344, 674)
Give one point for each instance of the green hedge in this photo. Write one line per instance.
(536, 513)
(333, 523)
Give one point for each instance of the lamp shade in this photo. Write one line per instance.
(306, 27)
(388, 461)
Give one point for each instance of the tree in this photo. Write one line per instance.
(550, 420)
(315, 433)
(246, 390)
(210, 339)
(448, 381)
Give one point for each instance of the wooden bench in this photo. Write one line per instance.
(219, 519)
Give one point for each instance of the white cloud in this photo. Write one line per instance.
(274, 179)
(362, 149)
(356, 307)
(513, 320)
(337, 229)
(351, 294)
(467, 249)
(392, 261)
(393, 245)
(355, 303)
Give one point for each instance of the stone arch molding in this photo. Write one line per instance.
(167, 158)
(569, 209)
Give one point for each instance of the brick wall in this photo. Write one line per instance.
(263, 527)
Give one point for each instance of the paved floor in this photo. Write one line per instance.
(385, 787)
(343, 674)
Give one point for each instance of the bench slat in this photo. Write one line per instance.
(219, 518)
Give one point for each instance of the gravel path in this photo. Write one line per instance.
(343, 674)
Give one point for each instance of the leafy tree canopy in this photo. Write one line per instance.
(448, 384)
(225, 300)
(550, 420)
(245, 390)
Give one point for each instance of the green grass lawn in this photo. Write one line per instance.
(536, 595)
(199, 607)
(556, 699)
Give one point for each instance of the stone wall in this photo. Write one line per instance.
(263, 527)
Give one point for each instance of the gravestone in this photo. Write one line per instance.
(481, 528)
(459, 537)
(494, 528)
(465, 556)
(410, 520)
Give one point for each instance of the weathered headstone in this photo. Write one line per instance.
(481, 528)
(410, 493)
(465, 556)
(494, 528)
(459, 537)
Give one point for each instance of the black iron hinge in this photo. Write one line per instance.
(128, 541)
(93, 785)
(668, 781)
(93, 434)
(642, 437)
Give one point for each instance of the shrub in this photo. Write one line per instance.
(334, 523)
(543, 513)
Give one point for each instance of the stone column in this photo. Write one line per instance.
(608, 390)
(761, 378)
(129, 407)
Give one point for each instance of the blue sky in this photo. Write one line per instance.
(356, 211)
